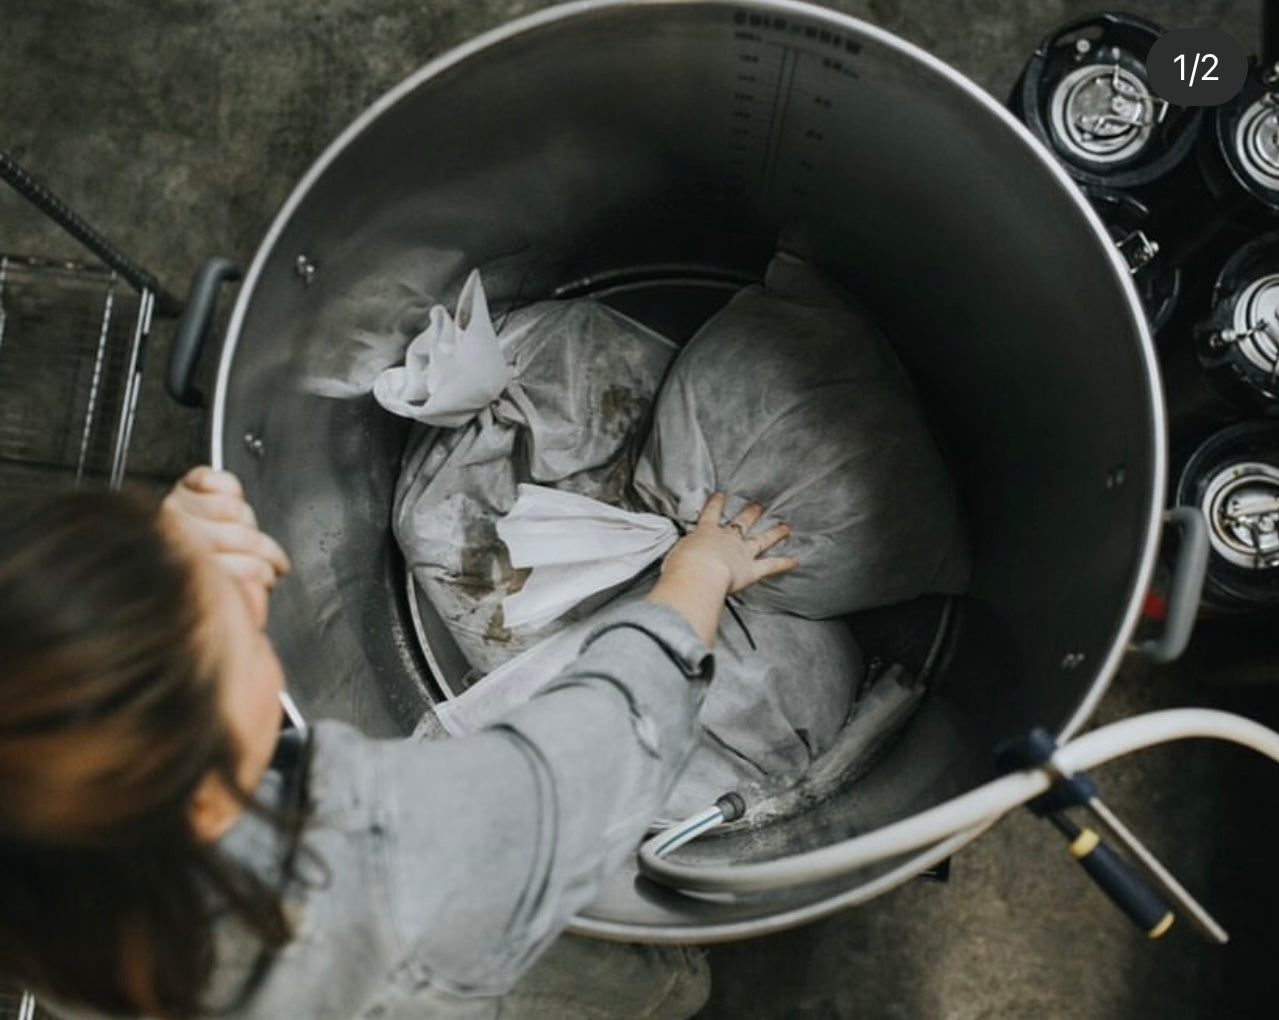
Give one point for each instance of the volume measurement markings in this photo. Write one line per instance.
(805, 144)
(763, 97)
(779, 117)
(758, 85)
(781, 105)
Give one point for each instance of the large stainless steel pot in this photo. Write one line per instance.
(607, 140)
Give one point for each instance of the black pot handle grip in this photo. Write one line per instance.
(193, 329)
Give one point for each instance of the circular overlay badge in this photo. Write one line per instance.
(1196, 66)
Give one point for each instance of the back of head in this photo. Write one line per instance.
(109, 720)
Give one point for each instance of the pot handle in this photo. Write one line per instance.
(1185, 588)
(193, 329)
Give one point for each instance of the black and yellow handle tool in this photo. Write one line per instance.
(1142, 887)
(1118, 879)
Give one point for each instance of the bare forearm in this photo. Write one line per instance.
(697, 595)
(713, 561)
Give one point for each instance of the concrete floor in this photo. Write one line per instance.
(179, 126)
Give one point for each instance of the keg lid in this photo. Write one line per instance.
(1241, 504)
(1104, 112)
(1086, 94)
(1255, 322)
(1257, 142)
(1238, 343)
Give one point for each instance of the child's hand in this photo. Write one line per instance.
(728, 550)
(715, 560)
(209, 507)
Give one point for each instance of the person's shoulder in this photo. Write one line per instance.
(336, 733)
(342, 764)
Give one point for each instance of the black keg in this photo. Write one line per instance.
(1085, 94)
(1239, 152)
(1237, 343)
(1233, 478)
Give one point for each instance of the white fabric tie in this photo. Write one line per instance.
(576, 546)
(452, 370)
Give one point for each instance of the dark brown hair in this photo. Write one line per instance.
(109, 722)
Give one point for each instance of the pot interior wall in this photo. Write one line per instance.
(696, 138)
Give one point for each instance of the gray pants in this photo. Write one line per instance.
(586, 979)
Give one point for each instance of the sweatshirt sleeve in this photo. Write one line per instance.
(495, 840)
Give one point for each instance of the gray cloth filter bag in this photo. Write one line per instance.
(553, 399)
(781, 697)
(783, 690)
(792, 397)
(789, 396)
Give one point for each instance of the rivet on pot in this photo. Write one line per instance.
(1072, 660)
(306, 269)
(254, 444)
(1116, 478)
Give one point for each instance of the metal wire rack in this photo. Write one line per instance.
(72, 340)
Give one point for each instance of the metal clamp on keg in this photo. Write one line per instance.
(1142, 891)
(1128, 221)
(1238, 344)
(1085, 94)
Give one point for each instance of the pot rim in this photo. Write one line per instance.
(1139, 579)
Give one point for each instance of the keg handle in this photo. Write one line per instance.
(193, 329)
(1185, 588)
